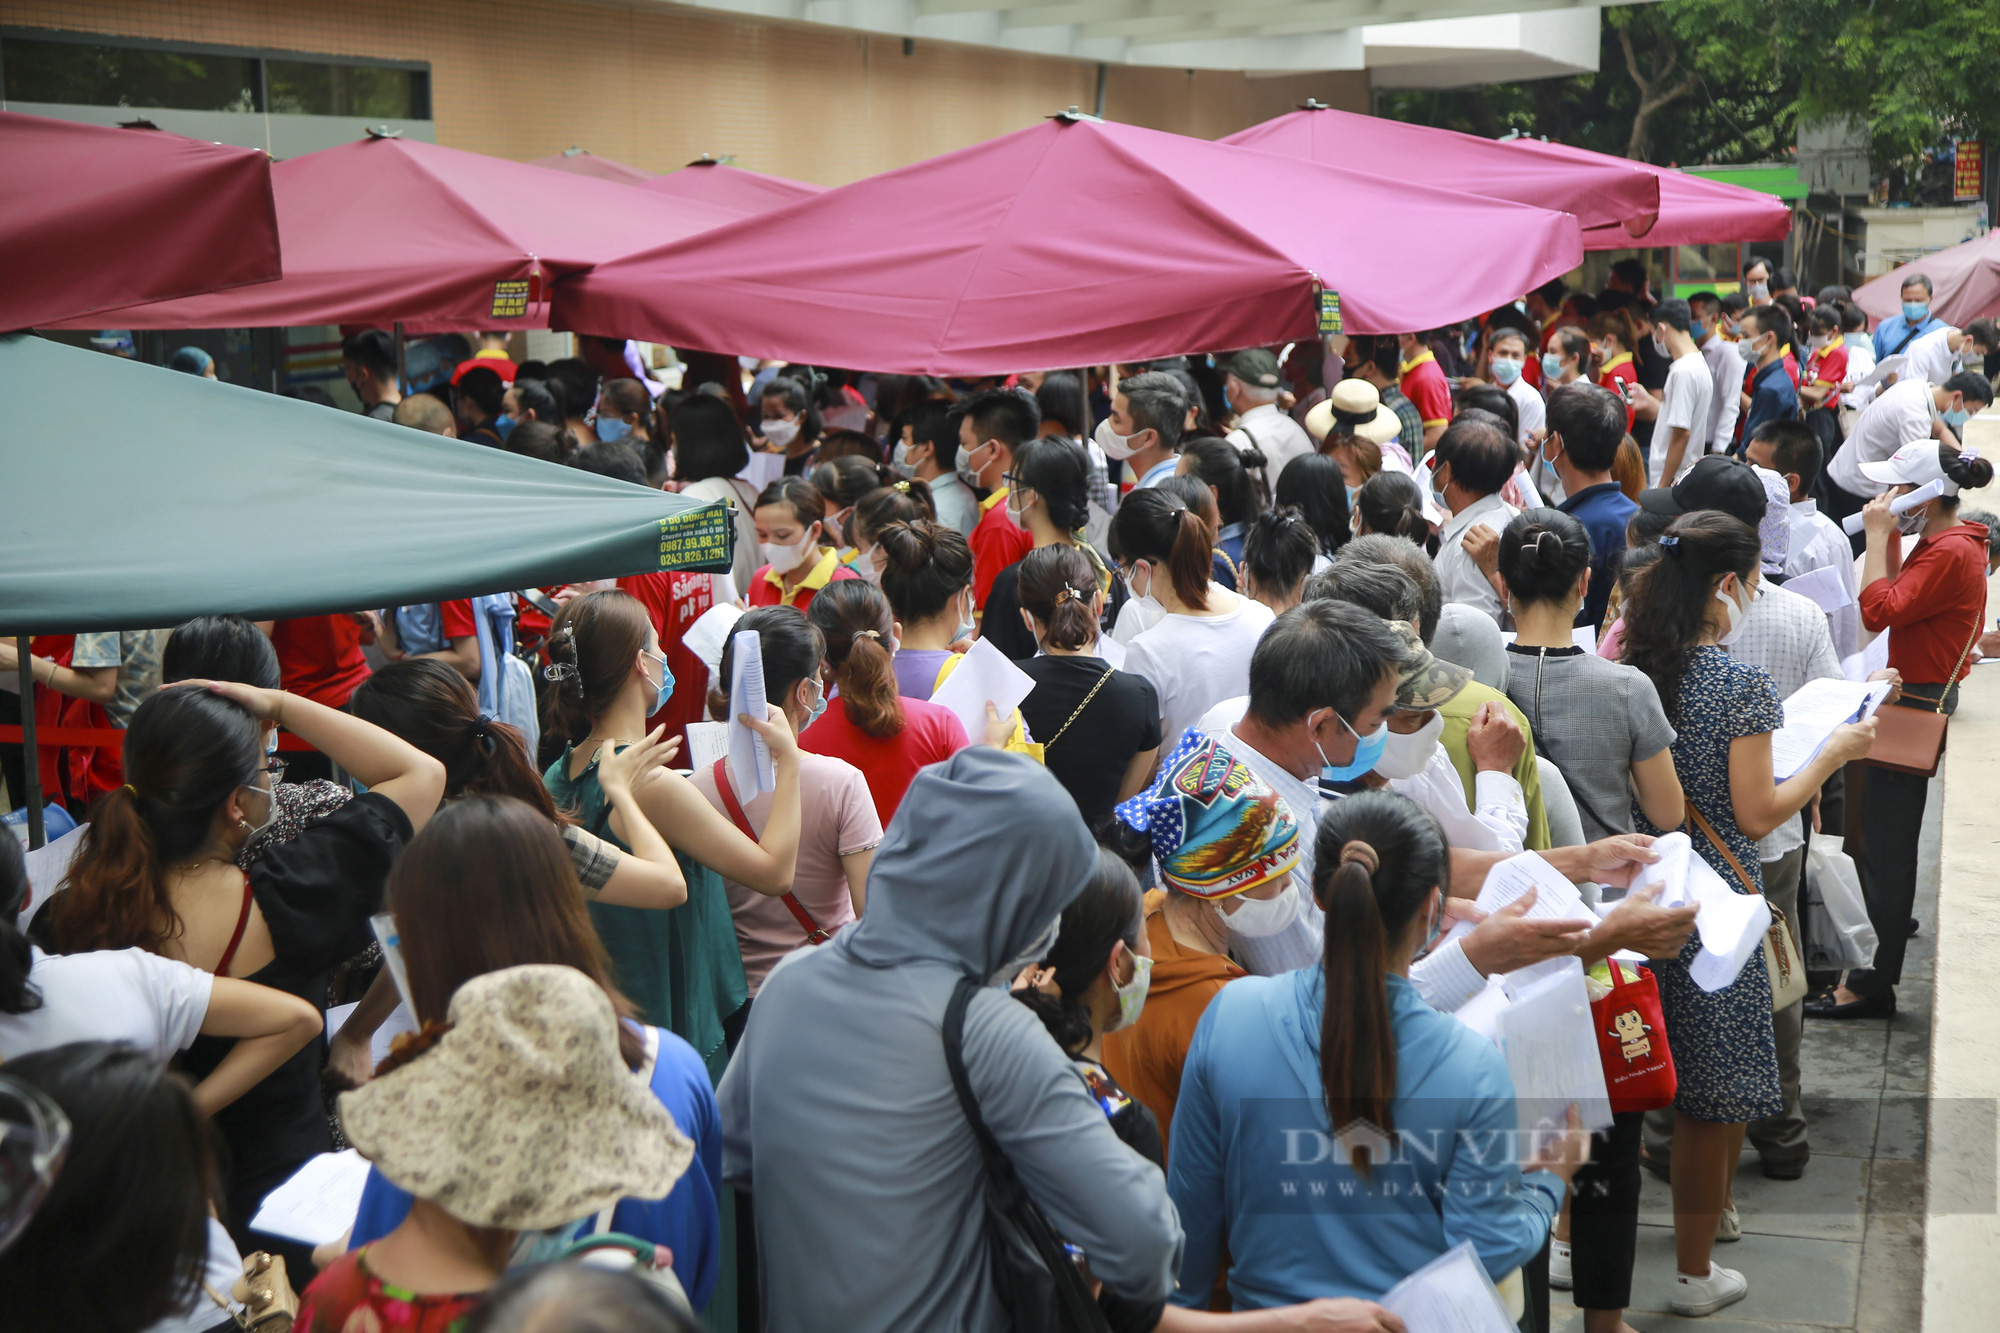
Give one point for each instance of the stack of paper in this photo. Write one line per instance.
(750, 768)
(1450, 1294)
(984, 674)
(1826, 587)
(1730, 924)
(1811, 715)
(1552, 1052)
(318, 1203)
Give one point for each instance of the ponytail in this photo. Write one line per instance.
(1967, 471)
(433, 707)
(1152, 525)
(854, 617)
(1055, 588)
(1667, 601)
(592, 645)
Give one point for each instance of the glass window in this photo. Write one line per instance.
(78, 73)
(313, 88)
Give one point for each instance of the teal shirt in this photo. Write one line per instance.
(681, 967)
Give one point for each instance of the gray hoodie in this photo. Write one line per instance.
(839, 1108)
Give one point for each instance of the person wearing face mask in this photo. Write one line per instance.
(1475, 459)
(1725, 368)
(1895, 335)
(1047, 491)
(1282, 1068)
(1757, 282)
(1099, 727)
(927, 577)
(791, 520)
(1508, 359)
(905, 500)
(1567, 358)
(1149, 414)
(368, 360)
(1614, 337)
(1586, 427)
(838, 826)
(1250, 385)
(1682, 410)
(928, 453)
(1826, 365)
(1929, 596)
(158, 871)
(1772, 394)
(1910, 410)
(625, 413)
(992, 426)
(841, 482)
(1682, 611)
(787, 422)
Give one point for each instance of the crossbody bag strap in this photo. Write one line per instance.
(814, 934)
(1951, 681)
(1708, 831)
(1078, 712)
(954, 1059)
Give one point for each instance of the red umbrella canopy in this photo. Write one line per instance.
(1608, 192)
(1965, 283)
(1075, 242)
(94, 218)
(733, 187)
(583, 162)
(393, 229)
(1693, 209)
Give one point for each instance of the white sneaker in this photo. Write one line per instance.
(1728, 1227)
(1697, 1296)
(1559, 1274)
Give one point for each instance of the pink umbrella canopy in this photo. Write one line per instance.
(583, 162)
(1075, 242)
(393, 229)
(1965, 283)
(733, 187)
(94, 218)
(1604, 193)
(1693, 209)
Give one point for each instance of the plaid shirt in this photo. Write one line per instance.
(1412, 437)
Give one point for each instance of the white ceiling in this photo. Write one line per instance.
(1420, 38)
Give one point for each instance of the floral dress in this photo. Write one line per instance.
(1725, 1055)
(347, 1298)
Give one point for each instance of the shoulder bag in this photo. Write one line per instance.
(1782, 960)
(1040, 1285)
(814, 934)
(1911, 740)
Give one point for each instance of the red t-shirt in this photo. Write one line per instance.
(1829, 366)
(456, 619)
(1933, 606)
(1423, 383)
(997, 541)
(931, 734)
(79, 773)
(1615, 375)
(319, 657)
(673, 601)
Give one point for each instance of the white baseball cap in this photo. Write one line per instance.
(1915, 464)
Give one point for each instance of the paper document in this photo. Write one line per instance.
(1450, 1294)
(710, 632)
(318, 1203)
(1482, 1013)
(1824, 586)
(1811, 715)
(984, 674)
(395, 1025)
(750, 768)
(1552, 1052)
(1872, 658)
(1887, 366)
(762, 470)
(706, 743)
(1730, 924)
(1556, 899)
(392, 954)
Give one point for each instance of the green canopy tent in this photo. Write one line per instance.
(187, 497)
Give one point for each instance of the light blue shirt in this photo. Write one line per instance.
(1252, 1158)
(1158, 473)
(1895, 335)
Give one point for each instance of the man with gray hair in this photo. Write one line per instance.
(1250, 384)
(1143, 431)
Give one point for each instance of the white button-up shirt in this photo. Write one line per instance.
(1785, 635)
(1818, 543)
(1459, 577)
(1279, 438)
(1725, 367)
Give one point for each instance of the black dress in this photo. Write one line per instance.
(1090, 758)
(316, 892)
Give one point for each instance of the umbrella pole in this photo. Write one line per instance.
(31, 757)
(402, 366)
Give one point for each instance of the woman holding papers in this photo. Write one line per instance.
(1930, 599)
(680, 967)
(1326, 1116)
(1681, 611)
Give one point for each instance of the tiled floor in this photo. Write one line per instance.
(1841, 1248)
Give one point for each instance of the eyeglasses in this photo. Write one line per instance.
(275, 767)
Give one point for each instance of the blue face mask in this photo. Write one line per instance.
(815, 710)
(1956, 420)
(612, 429)
(666, 691)
(1505, 371)
(1367, 753)
(1552, 367)
(1916, 311)
(505, 425)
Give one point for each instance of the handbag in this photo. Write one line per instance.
(1783, 963)
(1039, 1284)
(1632, 1040)
(1910, 739)
(814, 933)
(265, 1293)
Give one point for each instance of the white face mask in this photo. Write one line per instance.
(1734, 612)
(1757, 291)
(1115, 446)
(1132, 995)
(901, 462)
(1405, 756)
(779, 432)
(1259, 917)
(865, 566)
(966, 625)
(962, 464)
(784, 559)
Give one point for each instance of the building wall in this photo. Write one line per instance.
(655, 86)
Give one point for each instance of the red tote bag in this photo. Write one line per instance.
(1632, 1041)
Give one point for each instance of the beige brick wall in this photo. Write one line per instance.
(654, 86)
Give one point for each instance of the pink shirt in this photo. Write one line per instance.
(836, 819)
(930, 735)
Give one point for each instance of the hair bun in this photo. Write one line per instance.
(1360, 853)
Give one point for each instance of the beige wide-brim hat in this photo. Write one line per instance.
(522, 1116)
(1353, 408)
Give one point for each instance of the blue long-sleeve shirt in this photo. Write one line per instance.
(688, 1221)
(1252, 1158)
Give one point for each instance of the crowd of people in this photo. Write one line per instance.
(1168, 955)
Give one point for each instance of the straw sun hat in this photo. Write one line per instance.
(522, 1116)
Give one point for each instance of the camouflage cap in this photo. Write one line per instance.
(1427, 681)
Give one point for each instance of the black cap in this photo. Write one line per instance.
(1715, 482)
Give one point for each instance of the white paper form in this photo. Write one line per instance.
(1812, 713)
(762, 469)
(710, 631)
(1731, 925)
(1824, 586)
(318, 1203)
(1552, 1052)
(750, 767)
(1873, 657)
(392, 954)
(1556, 899)
(395, 1025)
(1482, 1013)
(1887, 366)
(706, 743)
(985, 673)
(1450, 1294)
